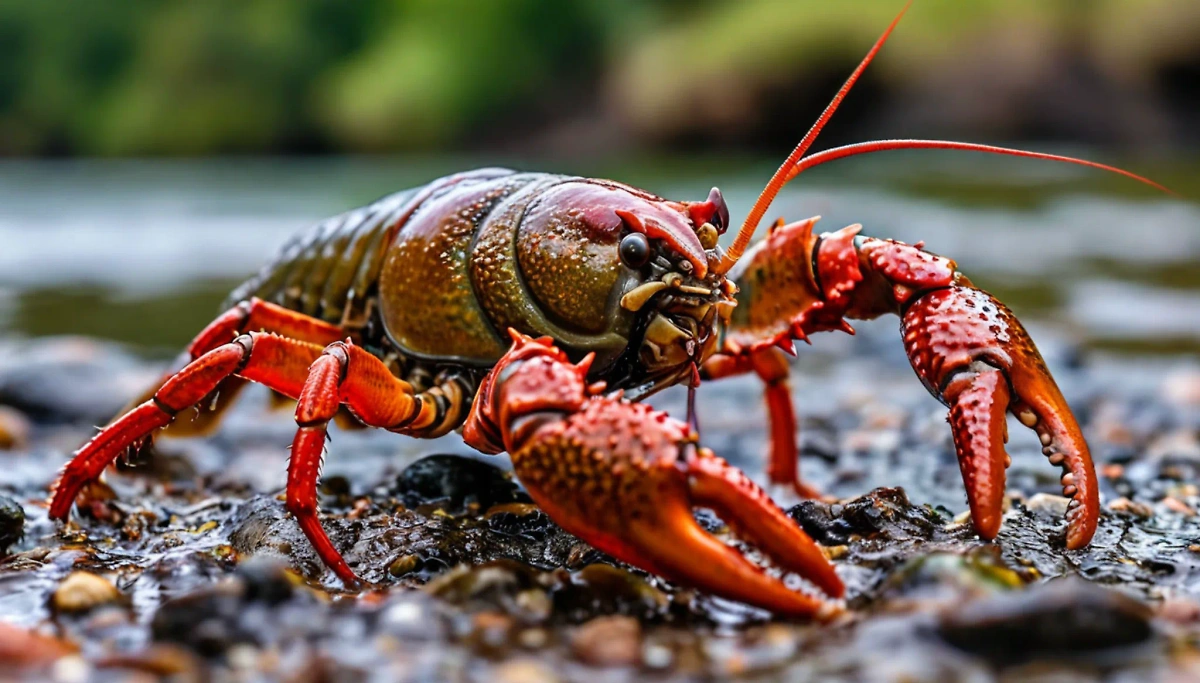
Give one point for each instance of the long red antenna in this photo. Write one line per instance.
(797, 163)
(746, 232)
(885, 145)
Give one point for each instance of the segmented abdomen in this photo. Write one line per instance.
(330, 270)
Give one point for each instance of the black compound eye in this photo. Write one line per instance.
(635, 250)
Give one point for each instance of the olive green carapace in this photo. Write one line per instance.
(570, 263)
(495, 273)
(439, 272)
(427, 300)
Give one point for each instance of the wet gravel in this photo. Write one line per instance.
(186, 565)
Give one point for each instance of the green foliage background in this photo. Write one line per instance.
(156, 77)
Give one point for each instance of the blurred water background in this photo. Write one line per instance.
(156, 153)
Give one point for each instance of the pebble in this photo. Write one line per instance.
(83, 591)
(608, 641)
(23, 648)
(533, 638)
(12, 523)
(14, 429)
(1180, 610)
(657, 656)
(403, 565)
(1175, 505)
(1047, 503)
(1057, 619)
(71, 669)
(524, 670)
(1183, 387)
(455, 481)
(1127, 506)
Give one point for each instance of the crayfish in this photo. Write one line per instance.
(534, 311)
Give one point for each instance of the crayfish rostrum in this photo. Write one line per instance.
(535, 310)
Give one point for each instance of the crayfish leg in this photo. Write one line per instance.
(252, 315)
(772, 367)
(347, 375)
(277, 362)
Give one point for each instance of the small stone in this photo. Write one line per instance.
(490, 633)
(774, 646)
(22, 648)
(657, 656)
(535, 604)
(94, 500)
(533, 638)
(600, 589)
(403, 565)
(14, 429)
(835, 552)
(608, 641)
(949, 578)
(1129, 507)
(455, 482)
(160, 661)
(406, 617)
(1058, 619)
(265, 579)
(71, 669)
(1175, 505)
(83, 591)
(242, 656)
(1180, 610)
(12, 523)
(1184, 490)
(1048, 504)
(524, 671)
(1183, 387)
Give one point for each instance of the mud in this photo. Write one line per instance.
(208, 577)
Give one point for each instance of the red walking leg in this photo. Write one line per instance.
(771, 365)
(346, 374)
(257, 315)
(277, 362)
(254, 315)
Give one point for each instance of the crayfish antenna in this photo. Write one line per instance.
(797, 163)
(780, 178)
(885, 145)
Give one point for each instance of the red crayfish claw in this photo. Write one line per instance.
(625, 478)
(974, 355)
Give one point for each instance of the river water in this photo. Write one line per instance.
(144, 251)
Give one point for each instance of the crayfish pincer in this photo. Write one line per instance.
(534, 312)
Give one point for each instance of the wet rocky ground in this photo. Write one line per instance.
(185, 565)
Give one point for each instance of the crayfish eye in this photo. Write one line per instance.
(635, 250)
